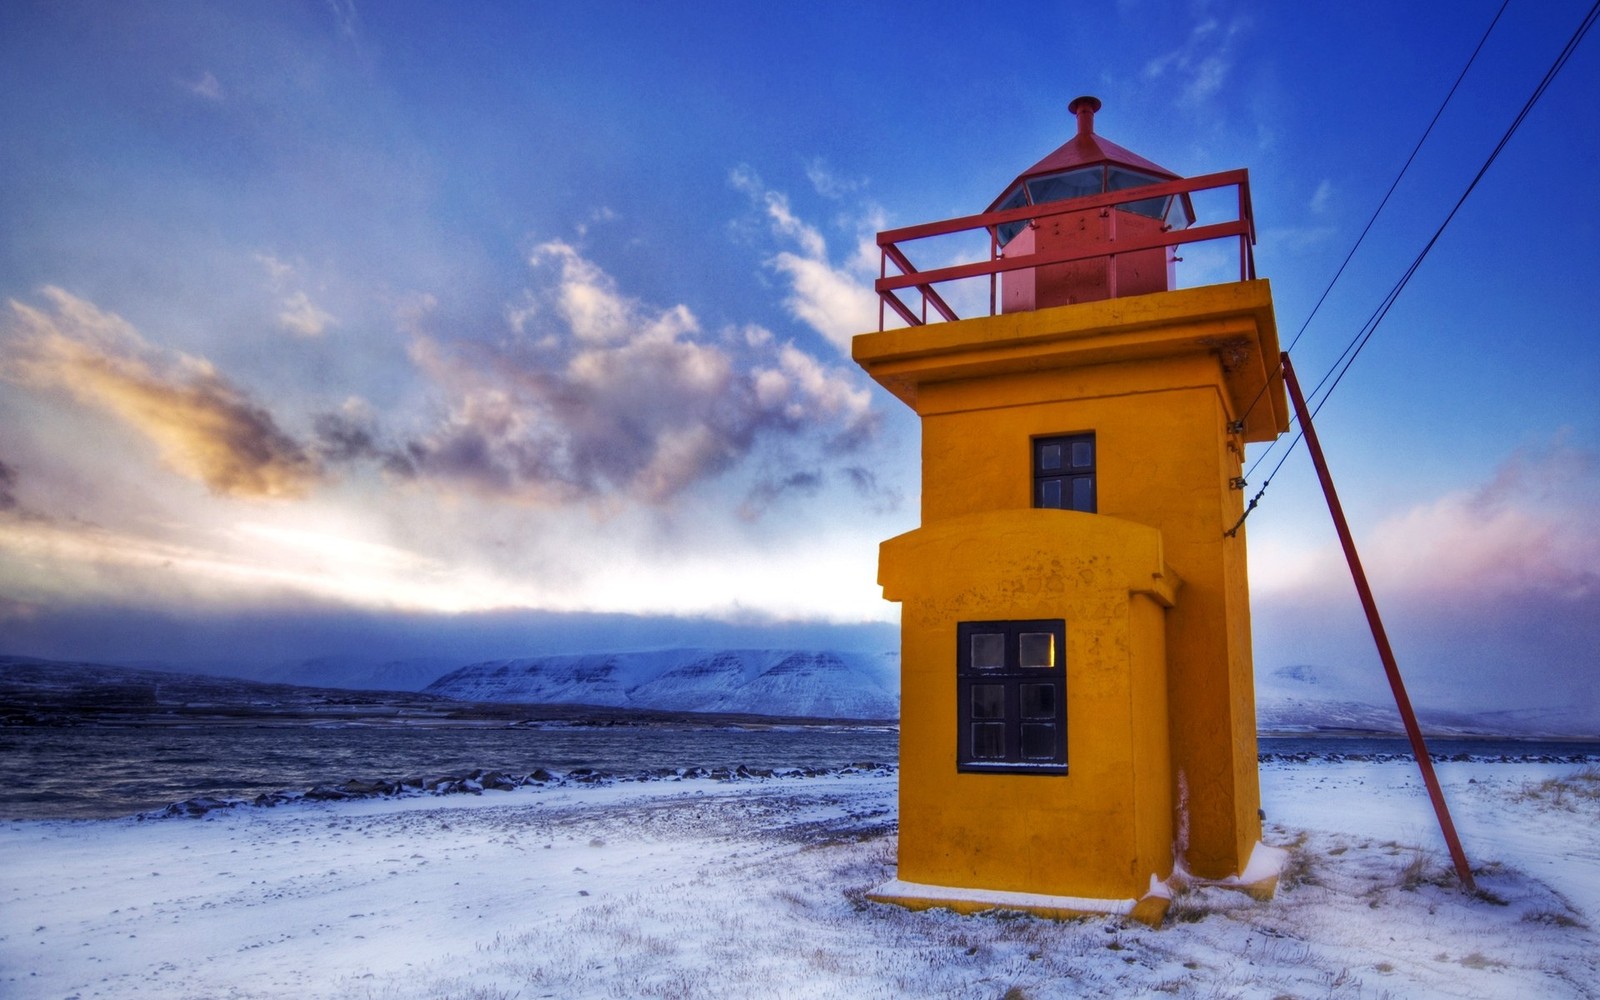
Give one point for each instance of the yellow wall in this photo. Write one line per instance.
(1158, 379)
(1104, 828)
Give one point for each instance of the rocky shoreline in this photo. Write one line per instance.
(477, 782)
(1390, 757)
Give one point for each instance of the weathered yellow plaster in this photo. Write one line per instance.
(1105, 827)
(1160, 698)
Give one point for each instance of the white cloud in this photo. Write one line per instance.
(829, 184)
(1199, 68)
(600, 215)
(1321, 197)
(345, 17)
(299, 315)
(278, 272)
(605, 399)
(207, 86)
(834, 299)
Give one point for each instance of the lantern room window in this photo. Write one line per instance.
(1016, 199)
(1083, 182)
(1011, 705)
(1066, 185)
(1121, 179)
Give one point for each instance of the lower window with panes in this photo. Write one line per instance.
(1011, 696)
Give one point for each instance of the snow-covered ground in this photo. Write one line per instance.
(755, 888)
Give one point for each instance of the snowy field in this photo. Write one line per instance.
(755, 889)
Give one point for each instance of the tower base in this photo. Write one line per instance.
(1150, 909)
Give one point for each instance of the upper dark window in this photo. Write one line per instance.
(1064, 472)
(1011, 696)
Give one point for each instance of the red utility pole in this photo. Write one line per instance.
(1409, 717)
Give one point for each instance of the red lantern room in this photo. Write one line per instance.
(1084, 168)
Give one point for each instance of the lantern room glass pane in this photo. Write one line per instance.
(988, 701)
(989, 740)
(988, 651)
(1078, 183)
(1016, 199)
(1036, 650)
(1121, 179)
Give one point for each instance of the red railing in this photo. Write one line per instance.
(890, 243)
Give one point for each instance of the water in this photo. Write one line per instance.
(91, 772)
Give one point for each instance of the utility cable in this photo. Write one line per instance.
(1381, 204)
(1389, 300)
(1406, 166)
(1348, 356)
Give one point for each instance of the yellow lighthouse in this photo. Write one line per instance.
(1077, 706)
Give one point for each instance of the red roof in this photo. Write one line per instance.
(1085, 149)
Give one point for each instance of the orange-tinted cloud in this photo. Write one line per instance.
(1532, 528)
(205, 427)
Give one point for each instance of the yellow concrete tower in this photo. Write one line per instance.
(1077, 702)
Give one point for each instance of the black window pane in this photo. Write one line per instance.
(1011, 712)
(1064, 472)
(1038, 741)
(988, 701)
(1038, 701)
(1036, 649)
(1083, 493)
(988, 651)
(989, 740)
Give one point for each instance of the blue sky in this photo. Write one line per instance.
(399, 316)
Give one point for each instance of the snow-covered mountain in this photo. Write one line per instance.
(817, 684)
(360, 674)
(350, 671)
(1310, 699)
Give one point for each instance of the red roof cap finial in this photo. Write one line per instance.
(1085, 107)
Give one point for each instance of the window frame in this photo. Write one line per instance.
(1011, 676)
(1068, 472)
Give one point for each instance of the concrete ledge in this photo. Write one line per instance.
(1232, 321)
(1151, 909)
